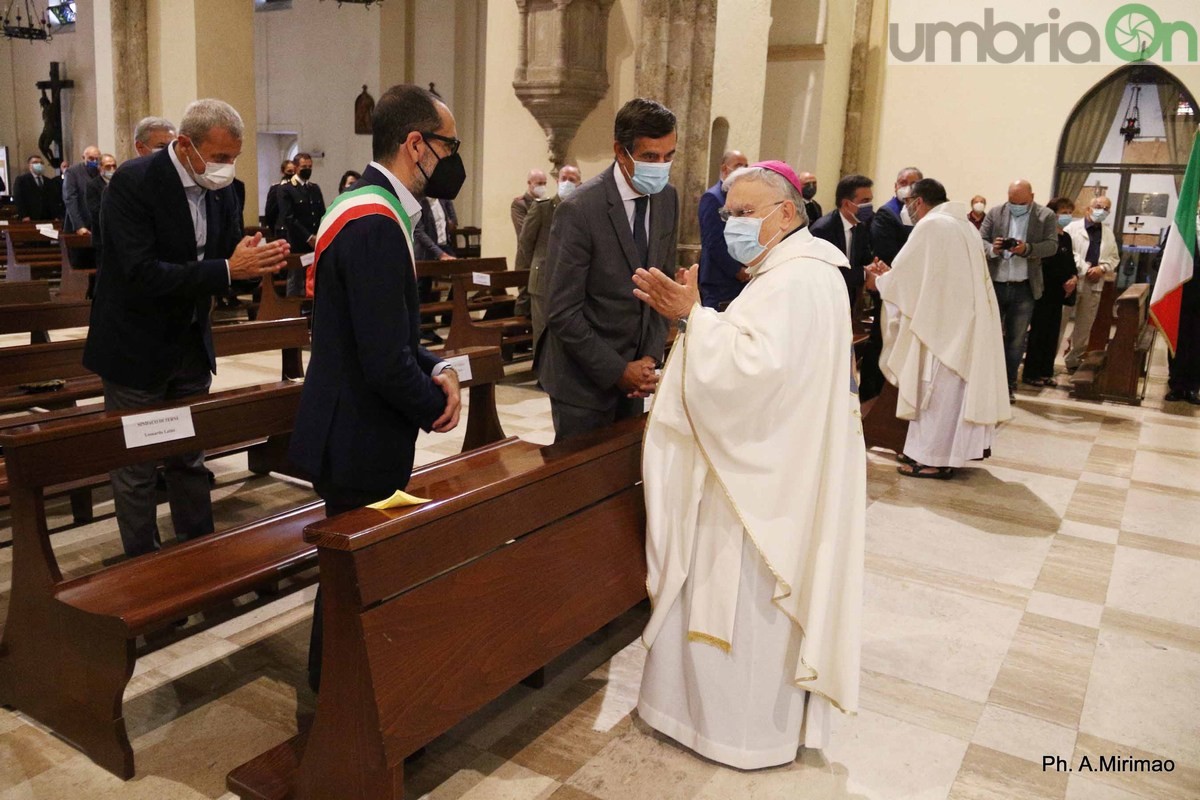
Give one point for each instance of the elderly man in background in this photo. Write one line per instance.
(535, 189)
(755, 494)
(1019, 234)
(890, 226)
(978, 211)
(532, 245)
(942, 348)
(721, 277)
(74, 188)
(152, 134)
(812, 209)
(1096, 257)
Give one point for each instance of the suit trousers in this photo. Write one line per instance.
(1184, 365)
(1044, 329)
(296, 277)
(571, 420)
(1015, 299)
(1086, 305)
(338, 500)
(187, 479)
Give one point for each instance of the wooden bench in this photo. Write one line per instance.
(432, 612)
(39, 318)
(30, 255)
(881, 427)
(506, 332)
(467, 242)
(443, 274)
(1101, 330)
(272, 302)
(1118, 371)
(75, 248)
(15, 292)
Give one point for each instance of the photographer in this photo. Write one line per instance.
(1018, 235)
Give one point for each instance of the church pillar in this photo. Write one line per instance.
(122, 80)
(675, 67)
(205, 48)
(856, 98)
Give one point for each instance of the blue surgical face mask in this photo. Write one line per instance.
(865, 213)
(1064, 220)
(741, 237)
(649, 177)
(1018, 210)
(566, 189)
(37, 168)
(1099, 215)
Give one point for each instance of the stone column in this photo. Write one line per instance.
(853, 138)
(131, 100)
(675, 67)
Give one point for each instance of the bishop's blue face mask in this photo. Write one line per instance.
(1018, 210)
(741, 237)
(649, 177)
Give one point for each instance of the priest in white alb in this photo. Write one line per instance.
(943, 348)
(755, 485)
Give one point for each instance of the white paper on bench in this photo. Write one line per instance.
(461, 365)
(481, 279)
(155, 427)
(307, 259)
(50, 232)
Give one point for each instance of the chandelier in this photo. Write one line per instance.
(32, 26)
(1133, 116)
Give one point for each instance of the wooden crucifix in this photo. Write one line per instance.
(51, 140)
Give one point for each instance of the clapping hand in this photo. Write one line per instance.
(674, 299)
(252, 258)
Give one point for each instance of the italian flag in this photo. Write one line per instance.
(1179, 255)
(350, 206)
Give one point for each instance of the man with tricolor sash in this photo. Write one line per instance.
(1175, 304)
(371, 387)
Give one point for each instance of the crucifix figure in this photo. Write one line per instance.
(1136, 225)
(50, 142)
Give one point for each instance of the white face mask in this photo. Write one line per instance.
(979, 208)
(539, 191)
(566, 189)
(906, 218)
(214, 177)
(903, 192)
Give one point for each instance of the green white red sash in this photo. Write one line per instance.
(353, 205)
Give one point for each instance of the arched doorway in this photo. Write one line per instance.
(1129, 138)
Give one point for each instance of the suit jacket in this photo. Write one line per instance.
(1110, 254)
(425, 233)
(368, 389)
(594, 324)
(831, 229)
(34, 202)
(271, 212)
(75, 181)
(301, 207)
(92, 197)
(534, 242)
(1042, 237)
(813, 209)
(718, 269)
(152, 295)
(888, 232)
(519, 208)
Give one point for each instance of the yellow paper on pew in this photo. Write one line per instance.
(399, 499)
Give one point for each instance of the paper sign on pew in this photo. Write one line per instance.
(307, 259)
(49, 232)
(461, 365)
(481, 279)
(156, 427)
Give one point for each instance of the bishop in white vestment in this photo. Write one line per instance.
(942, 343)
(755, 484)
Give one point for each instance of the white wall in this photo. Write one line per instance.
(740, 71)
(310, 63)
(23, 64)
(978, 128)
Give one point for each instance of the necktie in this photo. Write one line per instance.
(39, 181)
(640, 243)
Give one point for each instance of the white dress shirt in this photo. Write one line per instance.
(629, 195)
(196, 204)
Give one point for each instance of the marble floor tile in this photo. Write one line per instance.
(884, 758)
(809, 777)
(1116, 462)
(1065, 609)
(1045, 672)
(1157, 511)
(935, 638)
(1177, 471)
(1170, 438)
(1183, 781)
(1152, 629)
(1158, 544)
(1160, 715)
(919, 705)
(640, 761)
(1085, 787)
(1033, 447)
(1077, 568)
(1097, 504)
(1156, 584)
(988, 774)
(1022, 736)
(1085, 530)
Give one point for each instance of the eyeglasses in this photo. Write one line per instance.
(726, 213)
(453, 143)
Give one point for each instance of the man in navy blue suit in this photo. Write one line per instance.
(846, 228)
(721, 277)
(371, 387)
(172, 233)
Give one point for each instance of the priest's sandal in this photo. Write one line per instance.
(915, 470)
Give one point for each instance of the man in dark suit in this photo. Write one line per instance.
(37, 195)
(534, 242)
(371, 387)
(812, 208)
(847, 229)
(433, 238)
(301, 207)
(75, 181)
(287, 170)
(597, 357)
(721, 277)
(891, 226)
(172, 240)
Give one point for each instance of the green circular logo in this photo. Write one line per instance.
(1133, 32)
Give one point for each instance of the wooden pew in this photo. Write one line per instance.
(30, 255)
(74, 248)
(16, 292)
(881, 427)
(466, 242)
(443, 274)
(64, 360)
(431, 612)
(507, 333)
(39, 318)
(1101, 330)
(1118, 371)
(272, 302)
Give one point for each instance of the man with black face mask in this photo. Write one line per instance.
(301, 207)
(371, 387)
(809, 192)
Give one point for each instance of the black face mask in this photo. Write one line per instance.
(305, 173)
(809, 191)
(447, 177)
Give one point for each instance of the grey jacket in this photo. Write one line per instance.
(595, 326)
(534, 242)
(1042, 237)
(75, 181)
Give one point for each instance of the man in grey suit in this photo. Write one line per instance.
(75, 181)
(598, 355)
(1017, 235)
(535, 241)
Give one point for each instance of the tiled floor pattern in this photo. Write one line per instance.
(1044, 604)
